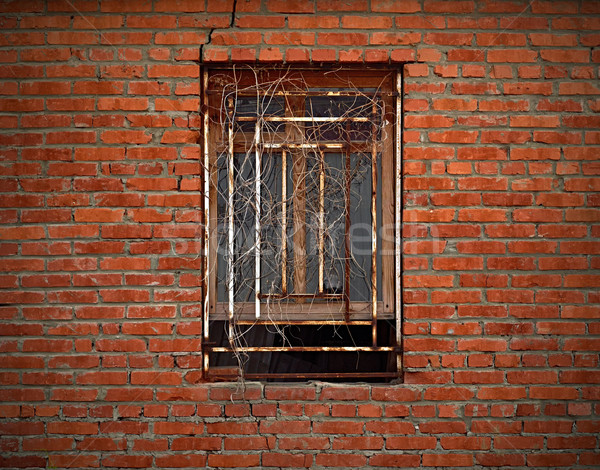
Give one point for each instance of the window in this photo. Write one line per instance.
(301, 210)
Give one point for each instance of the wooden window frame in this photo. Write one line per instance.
(335, 311)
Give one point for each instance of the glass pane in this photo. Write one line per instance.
(263, 106)
(343, 107)
(242, 251)
(268, 362)
(360, 227)
(271, 223)
(336, 106)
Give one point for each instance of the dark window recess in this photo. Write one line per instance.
(301, 273)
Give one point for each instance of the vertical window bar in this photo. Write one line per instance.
(295, 106)
(347, 221)
(347, 236)
(206, 219)
(284, 222)
(321, 219)
(299, 218)
(230, 234)
(374, 222)
(257, 219)
(398, 217)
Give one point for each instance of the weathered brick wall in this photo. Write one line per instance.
(100, 319)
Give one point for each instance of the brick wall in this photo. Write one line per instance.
(100, 315)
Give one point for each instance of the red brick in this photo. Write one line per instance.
(177, 428)
(341, 5)
(395, 460)
(173, 71)
(95, 22)
(465, 443)
(449, 7)
(104, 378)
(260, 21)
(131, 461)
(64, 427)
(448, 39)
(534, 121)
(343, 39)
(303, 443)
(182, 460)
(288, 427)
(289, 393)
(47, 444)
(313, 22)
(155, 378)
(518, 442)
(551, 460)
(366, 22)
(70, 460)
(102, 443)
(231, 428)
(528, 88)
(196, 443)
(248, 443)
(293, 6)
(341, 460)
(345, 393)
(427, 281)
(282, 460)
(451, 460)
(565, 55)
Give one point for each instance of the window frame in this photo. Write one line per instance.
(389, 307)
